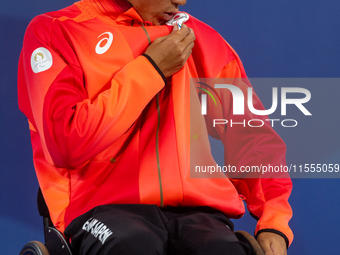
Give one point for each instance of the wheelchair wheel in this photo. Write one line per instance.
(247, 238)
(34, 248)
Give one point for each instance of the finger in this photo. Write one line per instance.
(268, 251)
(266, 248)
(187, 44)
(190, 37)
(181, 34)
(278, 250)
(187, 31)
(160, 39)
(186, 54)
(188, 48)
(174, 33)
(175, 28)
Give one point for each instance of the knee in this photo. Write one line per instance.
(224, 246)
(139, 241)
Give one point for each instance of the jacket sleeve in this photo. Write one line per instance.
(73, 128)
(266, 194)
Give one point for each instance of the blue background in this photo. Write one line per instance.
(283, 38)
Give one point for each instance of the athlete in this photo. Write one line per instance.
(106, 87)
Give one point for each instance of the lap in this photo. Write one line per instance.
(146, 229)
(203, 231)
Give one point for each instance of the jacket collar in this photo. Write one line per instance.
(120, 11)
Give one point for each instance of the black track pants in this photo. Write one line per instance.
(147, 229)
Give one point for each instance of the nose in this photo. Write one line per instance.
(179, 2)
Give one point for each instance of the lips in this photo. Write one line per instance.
(168, 15)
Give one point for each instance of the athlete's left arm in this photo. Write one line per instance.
(246, 145)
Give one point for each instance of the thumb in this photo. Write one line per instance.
(175, 28)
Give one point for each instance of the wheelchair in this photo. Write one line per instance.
(55, 243)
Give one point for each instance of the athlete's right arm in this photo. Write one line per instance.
(171, 52)
(52, 94)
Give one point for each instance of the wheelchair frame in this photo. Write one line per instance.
(56, 244)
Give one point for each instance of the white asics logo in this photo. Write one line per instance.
(102, 49)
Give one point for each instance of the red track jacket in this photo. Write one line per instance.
(106, 128)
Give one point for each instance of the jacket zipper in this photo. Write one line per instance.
(157, 135)
(157, 150)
